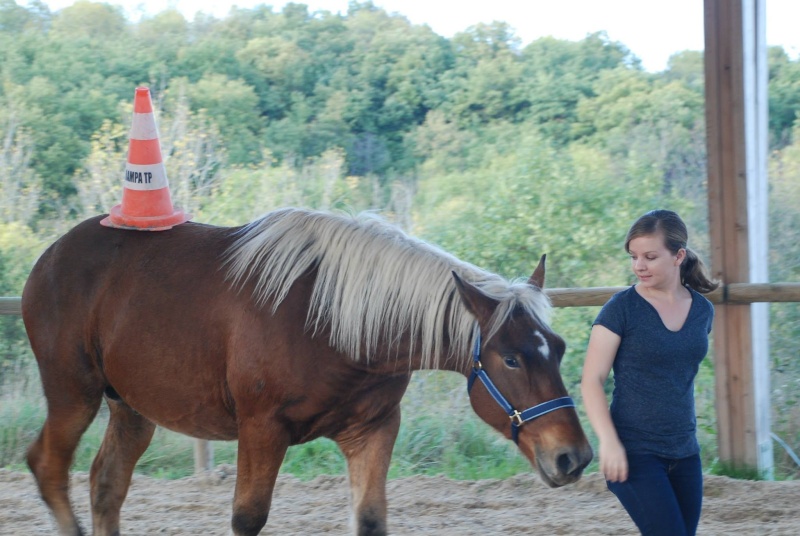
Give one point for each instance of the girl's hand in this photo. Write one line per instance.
(614, 462)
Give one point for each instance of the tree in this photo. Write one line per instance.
(89, 20)
(688, 68)
(784, 96)
(15, 19)
(558, 75)
(784, 265)
(159, 43)
(527, 198)
(233, 106)
(18, 182)
(485, 83)
(245, 193)
(390, 83)
(440, 145)
(637, 117)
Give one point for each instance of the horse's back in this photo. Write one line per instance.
(92, 261)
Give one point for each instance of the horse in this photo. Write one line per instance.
(298, 325)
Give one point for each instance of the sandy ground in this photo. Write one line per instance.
(417, 505)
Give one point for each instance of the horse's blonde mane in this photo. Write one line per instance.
(373, 283)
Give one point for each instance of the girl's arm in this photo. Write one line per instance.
(600, 355)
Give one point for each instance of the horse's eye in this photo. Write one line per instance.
(511, 361)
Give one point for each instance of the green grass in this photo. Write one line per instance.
(439, 435)
(739, 472)
(20, 420)
(319, 457)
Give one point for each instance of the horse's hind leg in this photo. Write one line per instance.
(127, 437)
(73, 397)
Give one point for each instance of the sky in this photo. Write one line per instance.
(652, 30)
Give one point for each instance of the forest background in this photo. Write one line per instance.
(496, 152)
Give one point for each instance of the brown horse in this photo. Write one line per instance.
(297, 326)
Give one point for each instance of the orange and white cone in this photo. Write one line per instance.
(146, 201)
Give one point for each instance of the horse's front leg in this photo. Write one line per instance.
(262, 447)
(368, 452)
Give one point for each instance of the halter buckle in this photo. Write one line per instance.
(516, 418)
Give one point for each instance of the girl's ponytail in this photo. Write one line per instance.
(694, 274)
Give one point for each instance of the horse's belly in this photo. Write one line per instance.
(182, 405)
(205, 421)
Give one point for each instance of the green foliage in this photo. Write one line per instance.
(14, 19)
(89, 20)
(311, 459)
(687, 67)
(495, 152)
(439, 435)
(21, 409)
(741, 472)
(296, 84)
(527, 199)
(704, 391)
(19, 248)
(232, 105)
(559, 75)
(784, 96)
(169, 455)
(484, 84)
(21, 421)
(784, 265)
(246, 193)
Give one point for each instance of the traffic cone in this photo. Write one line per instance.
(146, 201)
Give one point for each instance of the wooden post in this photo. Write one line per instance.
(736, 108)
(10, 306)
(203, 456)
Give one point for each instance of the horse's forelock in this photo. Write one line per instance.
(514, 296)
(373, 282)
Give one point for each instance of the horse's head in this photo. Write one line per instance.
(516, 386)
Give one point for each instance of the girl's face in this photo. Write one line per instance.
(653, 264)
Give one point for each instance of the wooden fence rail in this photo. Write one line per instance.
(734, 293)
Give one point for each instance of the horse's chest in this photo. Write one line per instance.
(332, 409)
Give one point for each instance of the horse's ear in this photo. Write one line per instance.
(479, 304)
(537, 279)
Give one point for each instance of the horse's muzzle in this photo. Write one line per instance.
(564, 465)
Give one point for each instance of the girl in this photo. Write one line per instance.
(654, 335)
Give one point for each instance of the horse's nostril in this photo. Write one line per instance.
(567, 463)
(563, 462)
(572, 462)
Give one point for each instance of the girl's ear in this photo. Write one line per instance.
(680, 257)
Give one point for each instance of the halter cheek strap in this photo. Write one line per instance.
(517, 418)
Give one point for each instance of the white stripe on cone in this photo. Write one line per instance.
(143, 127)
(145, 177)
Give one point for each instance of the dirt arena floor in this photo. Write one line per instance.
(418, 505)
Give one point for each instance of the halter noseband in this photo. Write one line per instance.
(517, 418)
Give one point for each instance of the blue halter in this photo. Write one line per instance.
(517, 418)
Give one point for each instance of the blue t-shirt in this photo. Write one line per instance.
(652, 406)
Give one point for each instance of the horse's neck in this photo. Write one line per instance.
(446, 361)
(403, 359)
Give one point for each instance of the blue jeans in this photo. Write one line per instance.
(662, 496)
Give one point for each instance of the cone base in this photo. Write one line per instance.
(117, 219)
